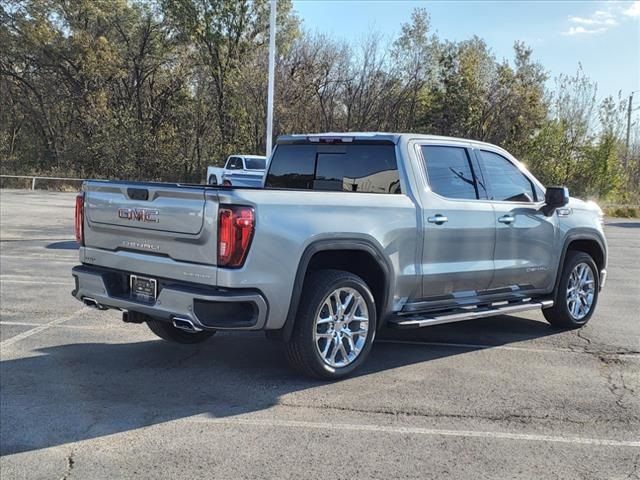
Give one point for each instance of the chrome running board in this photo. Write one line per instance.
(466, 313)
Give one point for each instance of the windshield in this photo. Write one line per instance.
(255, 163)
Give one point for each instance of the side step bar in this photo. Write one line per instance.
(416, 321)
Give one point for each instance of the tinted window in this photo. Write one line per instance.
(255, 163)
(449, 172)
(292, 166)
(507, 181)
(345, 168)
(235, 163)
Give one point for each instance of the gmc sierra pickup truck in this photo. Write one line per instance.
(349, 232)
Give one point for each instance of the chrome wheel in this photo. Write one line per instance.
(341, 327)
(580, 291)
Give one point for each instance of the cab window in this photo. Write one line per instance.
(449, 172)
(354, 167)
(507, 182)
(235, 163)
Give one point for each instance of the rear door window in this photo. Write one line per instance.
(342, 168)
(449, 172)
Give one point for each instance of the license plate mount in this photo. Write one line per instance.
(143, 289)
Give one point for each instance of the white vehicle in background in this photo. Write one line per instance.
(239, 170)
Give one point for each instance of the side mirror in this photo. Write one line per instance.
(555, 197)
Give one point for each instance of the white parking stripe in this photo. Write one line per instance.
(35, 239)
(466, 346)
(475, 346)
(499, 347)
(123, 326)
(35, 282)
(420, 431)
(21, 336)
(51, 258)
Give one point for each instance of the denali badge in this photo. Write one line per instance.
(139, 214)
(143, 244)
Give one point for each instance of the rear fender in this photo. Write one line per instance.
(361, 244)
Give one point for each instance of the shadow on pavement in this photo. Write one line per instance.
(66, 245)
(624, 224)
(73, 392)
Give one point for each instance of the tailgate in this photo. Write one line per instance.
(174, 221)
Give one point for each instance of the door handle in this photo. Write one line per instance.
(438, 219)
(507, 219)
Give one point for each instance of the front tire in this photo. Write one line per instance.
(577, 294)
(168, 332)
(335, 325)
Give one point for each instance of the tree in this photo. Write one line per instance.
(159, 89)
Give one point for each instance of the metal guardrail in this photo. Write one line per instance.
(34, 178)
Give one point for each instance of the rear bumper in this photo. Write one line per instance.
(207, 307)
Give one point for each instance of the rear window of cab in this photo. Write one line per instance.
(361, 168)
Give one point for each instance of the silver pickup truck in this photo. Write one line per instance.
(350, 233)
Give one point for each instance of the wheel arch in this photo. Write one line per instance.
(360, 256)
(588, 243)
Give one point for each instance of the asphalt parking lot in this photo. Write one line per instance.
(84, 395)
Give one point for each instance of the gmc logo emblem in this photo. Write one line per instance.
(139, 214)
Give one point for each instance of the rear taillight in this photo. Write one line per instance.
(235, 231)
(80, 218)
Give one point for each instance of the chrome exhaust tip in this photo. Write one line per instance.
(186, 325)
(93, 303)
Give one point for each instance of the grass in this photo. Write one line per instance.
(622, 211)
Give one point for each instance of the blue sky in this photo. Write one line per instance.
(603, 36)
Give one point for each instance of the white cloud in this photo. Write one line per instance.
(633, 10)
(583, 31)
(594, 20)
(600, 20)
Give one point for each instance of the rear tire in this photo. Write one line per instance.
(213, 180)
(577, 294)
(337, 312)
(168, 332)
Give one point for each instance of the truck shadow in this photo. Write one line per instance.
(624, 224)
(74, 392)
(63, 245)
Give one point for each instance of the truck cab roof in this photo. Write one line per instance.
(391, 137)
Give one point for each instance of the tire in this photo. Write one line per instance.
(561, 314)
(308, 339)
(168, 332)
(213, 180)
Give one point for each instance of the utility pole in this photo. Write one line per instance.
(272, 62)
(629, 110)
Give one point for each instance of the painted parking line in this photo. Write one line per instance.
(465, 346)
(11, 323)
(35, 239)
(293, 424)
(41, 328)
(34, 282)
(51, 258)
(473, 346)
